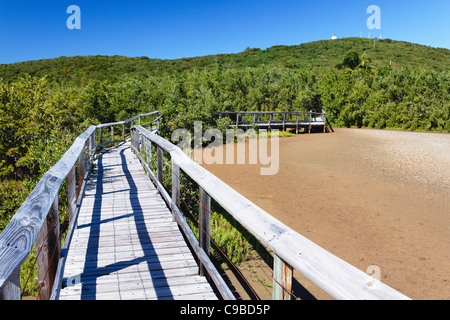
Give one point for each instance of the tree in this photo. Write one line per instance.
(352, 60)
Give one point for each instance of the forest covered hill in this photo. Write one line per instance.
(317, 55)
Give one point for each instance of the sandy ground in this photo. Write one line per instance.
(371, 197)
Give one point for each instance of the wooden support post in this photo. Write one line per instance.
(141, 141)
(296, 125)
(80, 171)
(204, 224)
(284, 121)
(310, 114)
(270, 118)
(282, 275)
(48, 252)
(92, 143)
(112, 133)
(72, 193)
(132, 140)
(148, 151)
(159, 156)
(175, 187)
(135, 139)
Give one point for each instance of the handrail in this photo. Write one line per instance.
(311, 119)
(128, 120)
(291, 250)
(37, 220)
(268, 112)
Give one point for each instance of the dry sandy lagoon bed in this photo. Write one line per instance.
(370, 197)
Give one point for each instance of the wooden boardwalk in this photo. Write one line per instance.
(126, 245)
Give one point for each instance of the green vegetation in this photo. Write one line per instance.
(318, 55)
(45, 104)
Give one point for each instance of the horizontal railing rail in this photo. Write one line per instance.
(291, 250)
(37, 221)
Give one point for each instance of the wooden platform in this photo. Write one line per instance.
(126, 245)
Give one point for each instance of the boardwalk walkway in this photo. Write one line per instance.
(126, 245)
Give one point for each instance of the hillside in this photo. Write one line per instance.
(317, 55)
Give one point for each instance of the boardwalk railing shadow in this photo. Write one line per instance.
(92, 270)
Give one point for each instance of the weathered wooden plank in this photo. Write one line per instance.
(156, 269)
(129, 274)
(130, 281)
(119, 255)
(181, 292)
(130, 240)
(111, 262)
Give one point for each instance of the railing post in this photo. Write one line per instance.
(92, 143)
(282, 283)
(100, 136)
(204, 228)
(270, 119)
(48, 251)
(123, 131)
(72, 192)
(141, 141)
(175, 187)
(309, 128)
(112, 133)
(148, 150)
(296, 126)
(80, 170)
(324, 120)
(135, 139)
(159, 156)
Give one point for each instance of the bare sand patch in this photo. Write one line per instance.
(371, 197)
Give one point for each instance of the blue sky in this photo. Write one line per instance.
(32, 30)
